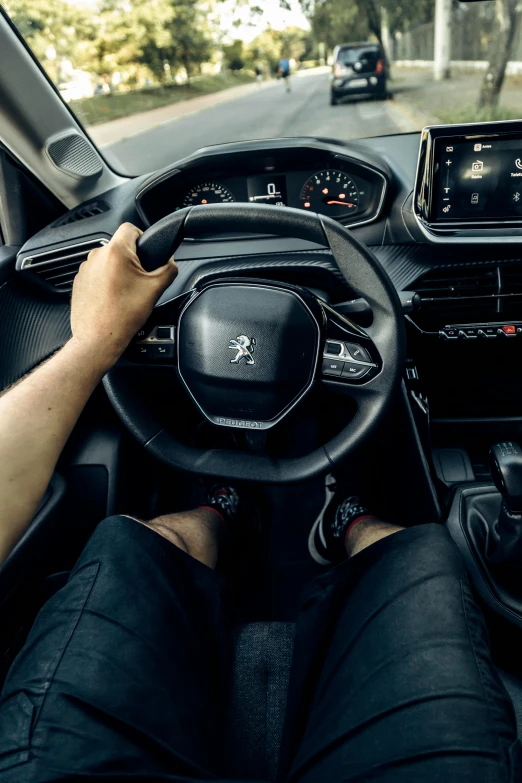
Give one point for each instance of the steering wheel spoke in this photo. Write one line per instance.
(350, 358)
(156, 341)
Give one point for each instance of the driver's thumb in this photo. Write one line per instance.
(166, 274)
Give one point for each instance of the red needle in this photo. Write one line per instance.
(342, 203)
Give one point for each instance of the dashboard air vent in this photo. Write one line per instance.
(58, 267)
(82, 213)
(469, 295)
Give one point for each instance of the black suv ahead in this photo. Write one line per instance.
(358, 69)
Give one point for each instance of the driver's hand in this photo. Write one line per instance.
(113, 296)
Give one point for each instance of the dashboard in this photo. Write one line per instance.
(348, 190)
(465, 263)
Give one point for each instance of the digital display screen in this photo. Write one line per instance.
(267, 190)
(478, 179)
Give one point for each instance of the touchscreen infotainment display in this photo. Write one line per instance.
(478, 178)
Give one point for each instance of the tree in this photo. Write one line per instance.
(266, 49)
(339, 21)
(57, 32)
(234, 55)
(295, 42)
(501, 49)
(142, 38)
(335, 21)
(190, 44)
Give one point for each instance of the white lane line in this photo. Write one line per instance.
(369, 111)
(400, 116)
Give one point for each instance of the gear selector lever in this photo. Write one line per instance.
(486, 524)
(505, 540)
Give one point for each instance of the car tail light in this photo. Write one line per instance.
(379, 68)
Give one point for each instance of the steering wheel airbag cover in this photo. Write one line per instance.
(247, 352)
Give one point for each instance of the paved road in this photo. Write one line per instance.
(267, 113)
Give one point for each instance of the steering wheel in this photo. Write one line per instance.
(248, 351)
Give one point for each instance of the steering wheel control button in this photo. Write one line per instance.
(490, 332)
(509, 330)
(334, 349)
(165, 351)
(358, 353)
(164, 333)
(332, 367)
(143, 351)
(352, 370)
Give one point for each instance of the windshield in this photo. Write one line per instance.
(154, 80)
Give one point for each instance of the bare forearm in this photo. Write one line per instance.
(36, 418)
(112, 298)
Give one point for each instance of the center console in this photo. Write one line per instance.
(466, 336)
(486, 524)
(469, 182)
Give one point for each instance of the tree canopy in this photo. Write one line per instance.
(149, 41)
(339, 21)
(143, 38)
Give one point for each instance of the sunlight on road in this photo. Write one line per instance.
(258, 114)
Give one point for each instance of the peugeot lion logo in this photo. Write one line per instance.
(244, 347)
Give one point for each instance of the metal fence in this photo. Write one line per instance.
(472, 32)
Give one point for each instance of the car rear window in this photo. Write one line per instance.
(366, 56)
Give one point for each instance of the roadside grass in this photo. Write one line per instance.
(470, 113)
(112, 106)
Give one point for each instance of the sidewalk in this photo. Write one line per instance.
(116, 130)
(455, 100)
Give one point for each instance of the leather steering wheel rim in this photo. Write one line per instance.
(364, 275)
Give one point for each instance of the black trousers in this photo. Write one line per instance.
(124, 675)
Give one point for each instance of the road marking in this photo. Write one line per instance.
(369, 111)
(405, 120)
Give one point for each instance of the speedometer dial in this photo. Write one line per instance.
(207, 193)
(330, 192)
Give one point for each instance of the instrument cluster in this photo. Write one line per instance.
(333, 185)
(329, 192)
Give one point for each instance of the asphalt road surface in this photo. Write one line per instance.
(266, 113)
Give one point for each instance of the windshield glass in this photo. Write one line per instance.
(154, 80)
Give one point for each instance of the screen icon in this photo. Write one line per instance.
(516, 196)
(446, 209)
(474, 198)
(449, 149)
(478, 166)
(477, 147)
(518, 163)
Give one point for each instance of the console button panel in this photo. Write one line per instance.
(481, 331)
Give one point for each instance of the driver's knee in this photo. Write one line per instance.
(198, 532)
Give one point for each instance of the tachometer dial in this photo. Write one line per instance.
(331, 193)
(207, 193)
